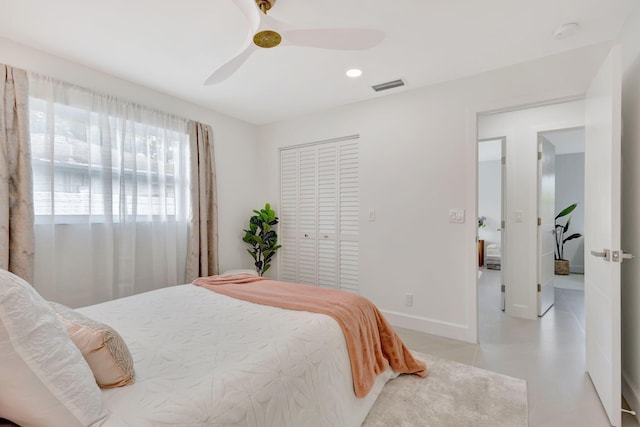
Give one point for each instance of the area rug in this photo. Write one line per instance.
(452, 395)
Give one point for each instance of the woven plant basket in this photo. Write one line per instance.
(562, 267)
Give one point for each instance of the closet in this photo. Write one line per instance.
(319, 210)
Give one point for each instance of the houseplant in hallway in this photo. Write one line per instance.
(561, 264)
(262, 237)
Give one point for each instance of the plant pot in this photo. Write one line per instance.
(562, 267)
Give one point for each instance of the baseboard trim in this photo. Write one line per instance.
(578, 269)
(631, 395)
(430, 326)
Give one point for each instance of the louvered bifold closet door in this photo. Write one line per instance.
(327, 215)
(349, 201)
(319, 214)
(288, 227)
(307, 217)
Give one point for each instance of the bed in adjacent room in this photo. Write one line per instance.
(203, 358)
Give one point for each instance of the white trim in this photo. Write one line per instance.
(324, 141)
(631, 394)
(491, 107)
(431, 326)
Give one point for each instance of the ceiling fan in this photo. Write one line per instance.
(267, 32)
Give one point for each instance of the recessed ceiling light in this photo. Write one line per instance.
(354, 72)
(565, 30)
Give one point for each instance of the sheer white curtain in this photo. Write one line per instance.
(111, 194)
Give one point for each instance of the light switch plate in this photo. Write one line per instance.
(519, 215)
(372, 214)
(456, 216)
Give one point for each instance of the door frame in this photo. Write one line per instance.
(474, 114)
(503, 210)
(543, 296)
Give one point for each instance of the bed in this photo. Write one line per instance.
(493, 256)
(206, 359)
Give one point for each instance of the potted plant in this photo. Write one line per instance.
(262, 238)
(561, 264)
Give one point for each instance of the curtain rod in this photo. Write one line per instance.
(101, 93)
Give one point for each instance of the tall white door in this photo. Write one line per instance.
(602, 234)
(503, 221)
(546, 224)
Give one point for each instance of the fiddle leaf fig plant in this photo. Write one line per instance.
(262, 238)
(562, 229)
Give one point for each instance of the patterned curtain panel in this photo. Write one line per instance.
(16, 190)
(111, 194)
(202, 257)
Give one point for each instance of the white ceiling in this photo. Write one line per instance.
(173, 46)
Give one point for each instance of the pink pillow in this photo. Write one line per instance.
(101, 346)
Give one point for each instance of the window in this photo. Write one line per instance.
(97, 166)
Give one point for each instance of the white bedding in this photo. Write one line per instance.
(205, 359)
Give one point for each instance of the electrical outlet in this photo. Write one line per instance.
(408, 300)
(372, 214)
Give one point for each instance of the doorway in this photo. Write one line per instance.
(491, 209)
(601, 117)
(520, 130)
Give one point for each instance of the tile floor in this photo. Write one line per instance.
(548, 353)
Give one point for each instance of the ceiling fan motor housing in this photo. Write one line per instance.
(265, 5)
(267, 39)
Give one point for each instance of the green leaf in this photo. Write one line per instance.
(262, 237)
(266, 267)
(567, 210)
(566, 226)
(573, 236)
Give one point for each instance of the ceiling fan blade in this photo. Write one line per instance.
(251, 12)
(334, 38)
(230, 67)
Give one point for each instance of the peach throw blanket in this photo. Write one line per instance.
(371, 342)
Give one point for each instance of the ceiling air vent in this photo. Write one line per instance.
(388, 85)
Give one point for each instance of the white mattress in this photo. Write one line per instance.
(204, 359)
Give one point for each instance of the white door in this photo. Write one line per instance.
(503, 222)
(308, 217)
(602, 234)
(546, 224)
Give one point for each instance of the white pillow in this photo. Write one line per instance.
(45, 381)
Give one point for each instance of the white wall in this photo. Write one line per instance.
(521, 130)
(418, 159)
(490, 199)
(570, 189)
(630, 41)
(234, 140)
